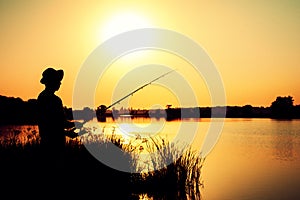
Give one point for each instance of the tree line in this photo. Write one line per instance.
(13, 110)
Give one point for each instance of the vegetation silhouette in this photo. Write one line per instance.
(283, 108)
(284, 105)
(83, 175)
(16, 111)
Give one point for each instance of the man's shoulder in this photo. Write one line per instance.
(44, 96)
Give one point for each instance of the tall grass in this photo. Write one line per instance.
(173, 171)
(177, 173)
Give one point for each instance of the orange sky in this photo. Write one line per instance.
(255, 46)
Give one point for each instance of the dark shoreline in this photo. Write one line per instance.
(15, 111)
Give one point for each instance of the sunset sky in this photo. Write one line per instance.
(255, 46)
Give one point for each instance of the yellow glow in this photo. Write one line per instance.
(122, 22)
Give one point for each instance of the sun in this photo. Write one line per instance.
(122, 22)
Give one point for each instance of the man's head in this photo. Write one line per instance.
(52, 78)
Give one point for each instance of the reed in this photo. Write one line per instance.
(177, 173)
(172, 168)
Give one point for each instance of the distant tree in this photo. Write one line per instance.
(13, 110)
(297, 111)
(247, 111)
(282, 107)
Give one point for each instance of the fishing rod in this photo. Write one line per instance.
(131, 93)
(100, 111)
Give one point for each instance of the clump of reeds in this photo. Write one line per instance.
(18, 150)
(172, 169)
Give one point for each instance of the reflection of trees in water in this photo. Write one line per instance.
(284, 140)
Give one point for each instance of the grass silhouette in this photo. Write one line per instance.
(79, 173)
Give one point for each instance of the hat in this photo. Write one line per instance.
(51, 75)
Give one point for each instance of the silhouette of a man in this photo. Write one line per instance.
(52, 121)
